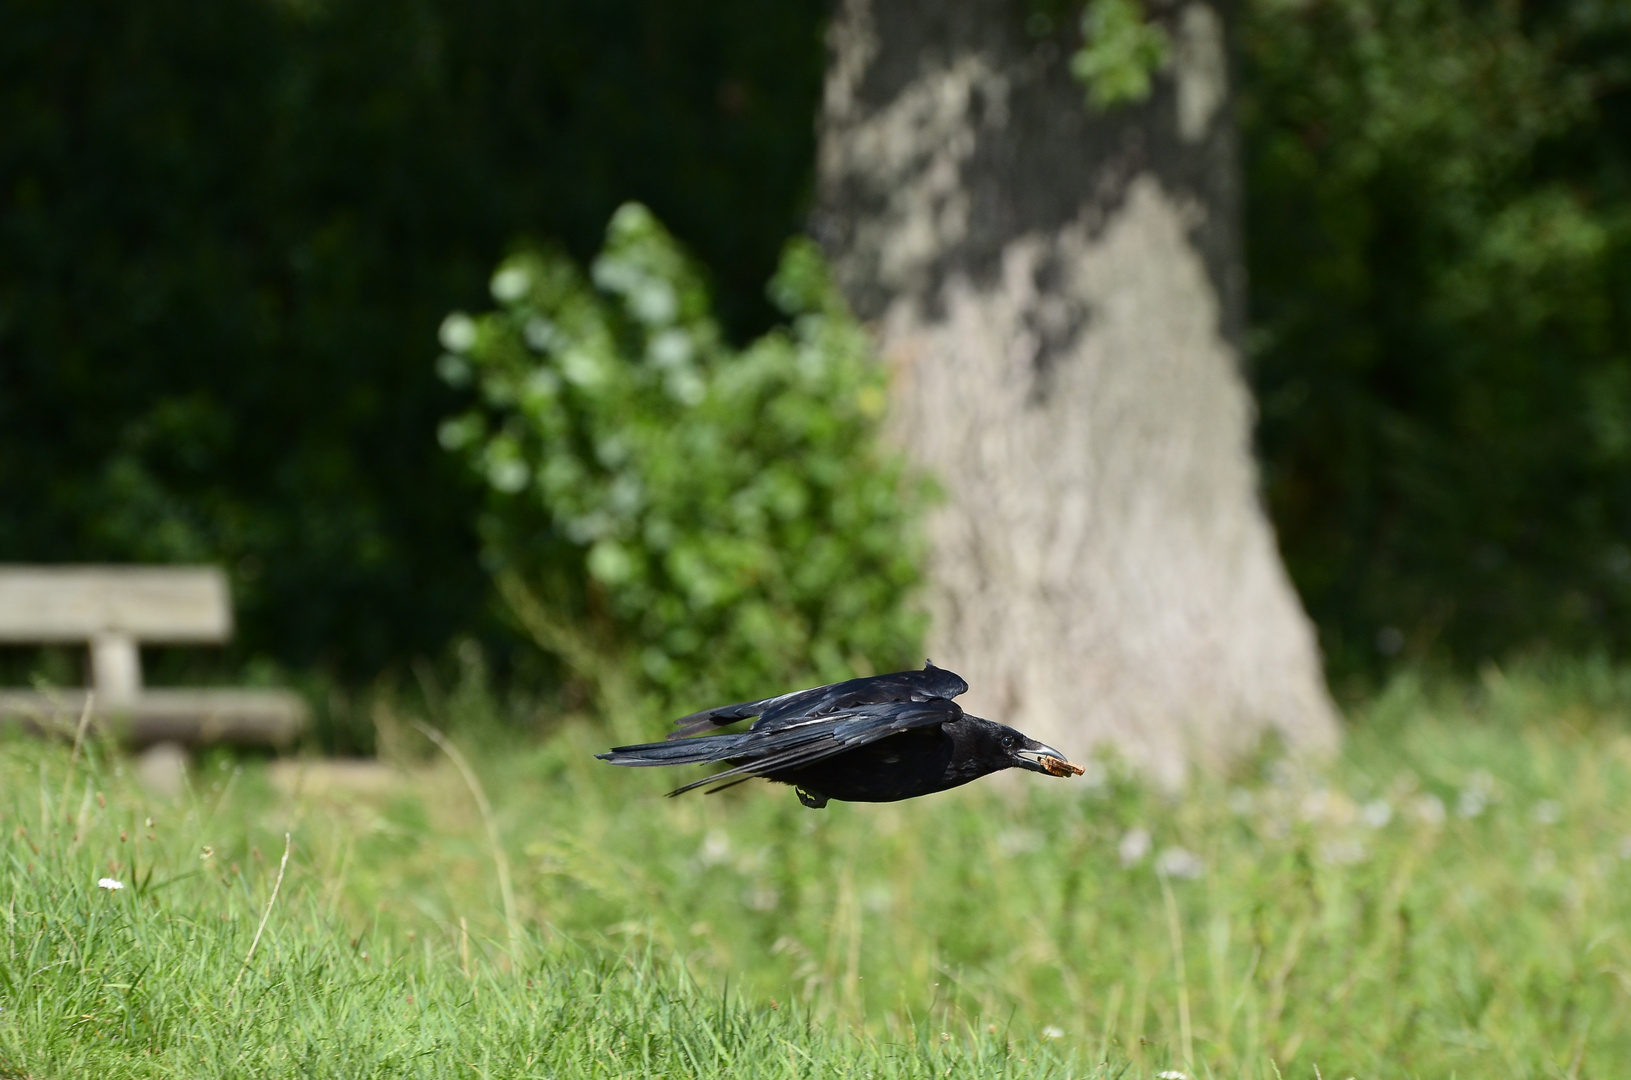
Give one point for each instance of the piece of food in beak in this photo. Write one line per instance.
(1042, 758)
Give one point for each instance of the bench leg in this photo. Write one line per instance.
(116, 667)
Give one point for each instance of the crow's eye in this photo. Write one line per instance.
(1007, 742)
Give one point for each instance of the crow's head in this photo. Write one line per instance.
(1006, 748)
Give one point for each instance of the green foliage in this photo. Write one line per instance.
(723, 517)
(1443, 900)
(1439, 231)
(1120, 53)
(228, 228)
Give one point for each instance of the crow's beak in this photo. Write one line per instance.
(1042, 758)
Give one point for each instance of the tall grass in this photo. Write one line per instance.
(132, 947)
(1450, 897)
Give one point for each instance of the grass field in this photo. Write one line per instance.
(1449, 898)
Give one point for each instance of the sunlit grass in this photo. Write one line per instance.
(1450, 897)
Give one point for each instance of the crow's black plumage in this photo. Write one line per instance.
(877, 739)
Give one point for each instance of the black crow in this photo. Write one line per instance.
(877, 739)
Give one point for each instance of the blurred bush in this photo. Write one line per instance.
(229, 227)
(1439, 228)
(711, 522)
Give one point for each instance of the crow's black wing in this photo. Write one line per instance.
(729, 714)
(787, 709)
(807, 741)
(929, 684)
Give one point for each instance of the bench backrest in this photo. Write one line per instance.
(41, 604)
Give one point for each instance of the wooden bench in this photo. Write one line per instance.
(114, 609)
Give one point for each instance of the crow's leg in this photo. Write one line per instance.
(813, 799)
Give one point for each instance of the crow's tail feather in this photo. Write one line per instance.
(699, 751)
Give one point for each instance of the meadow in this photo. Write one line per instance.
(1449, 897)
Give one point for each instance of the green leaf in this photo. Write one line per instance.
(1120, 55)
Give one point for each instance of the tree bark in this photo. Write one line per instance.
(1060, 294)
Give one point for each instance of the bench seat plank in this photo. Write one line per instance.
(177, 604)
(271, 718)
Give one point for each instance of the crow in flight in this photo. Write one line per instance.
(877, 739)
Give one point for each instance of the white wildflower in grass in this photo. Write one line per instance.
(761, 898)
(1019, 841)
(1134, 846)
(1429, 809)
(1476, 796)
(1548, 811)
(1171, 1074)
(110, 884)
(877, 898)
(1051, 1032)
(1178, 863)
(716, 848)
(1376, 813)
(1471, 803)
(1342, 852)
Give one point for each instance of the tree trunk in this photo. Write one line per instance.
(1060, 294)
